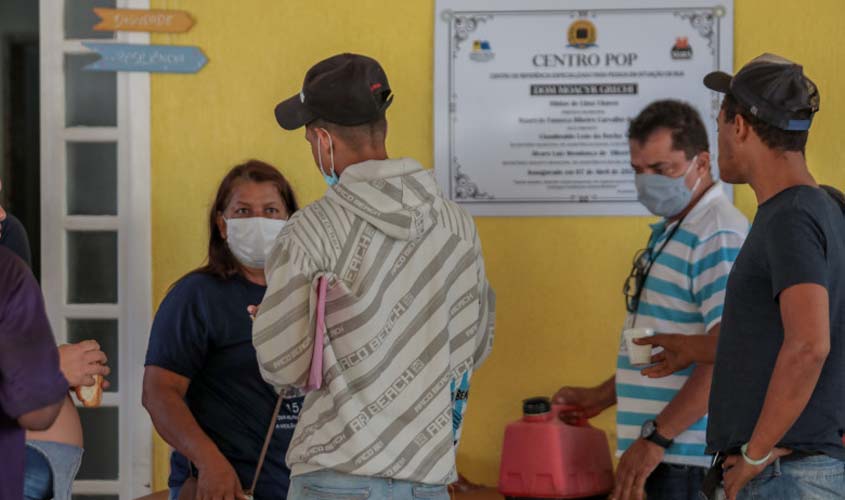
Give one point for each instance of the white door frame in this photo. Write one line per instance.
(134, 307)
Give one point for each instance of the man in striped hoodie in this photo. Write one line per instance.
(409, 312)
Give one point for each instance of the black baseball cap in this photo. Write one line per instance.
(346, 89)
(773, 89)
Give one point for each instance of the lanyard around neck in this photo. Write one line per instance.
(647, 270)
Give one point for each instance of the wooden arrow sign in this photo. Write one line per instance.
(149, 58)
(160, 21)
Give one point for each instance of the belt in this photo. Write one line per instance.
(795, 455)
(798, 455)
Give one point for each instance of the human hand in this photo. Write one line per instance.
(738, 472)
(676, 355)
(587, 402)
(80, 362)
(217, 480)
(253, 311)
(463, 485)
(636, 464)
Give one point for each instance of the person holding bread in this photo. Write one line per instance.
(202, 385)
(53, 455)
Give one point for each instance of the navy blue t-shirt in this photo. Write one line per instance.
(202, 331)
(798, 237)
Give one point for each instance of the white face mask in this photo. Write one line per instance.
(251, 240)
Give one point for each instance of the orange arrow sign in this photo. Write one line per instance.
(163, 21)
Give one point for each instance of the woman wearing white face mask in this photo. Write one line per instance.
(202, 386)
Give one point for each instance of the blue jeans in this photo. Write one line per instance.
(330, 485)
(818, 477)
(675, 482)
(50, 470)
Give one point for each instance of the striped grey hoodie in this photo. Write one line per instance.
(409, 316)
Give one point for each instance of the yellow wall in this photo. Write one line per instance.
(558, 279)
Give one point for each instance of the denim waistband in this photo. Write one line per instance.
(64, 460)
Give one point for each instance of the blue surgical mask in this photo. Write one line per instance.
(665, 196)
(333, 179)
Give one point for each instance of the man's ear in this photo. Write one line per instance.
(321, 133)
(742, 129)
(702, 161)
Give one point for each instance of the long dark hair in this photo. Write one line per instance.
(221, 262)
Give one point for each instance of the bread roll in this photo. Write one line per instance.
(92, 395)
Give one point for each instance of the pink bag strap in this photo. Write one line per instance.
(315, 375)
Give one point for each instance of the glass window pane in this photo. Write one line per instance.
(80, 18)
(90, 96)
(102, 457)
(92, 267)
(104, 331)
(91, 178)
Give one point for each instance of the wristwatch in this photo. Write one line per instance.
(649, 433)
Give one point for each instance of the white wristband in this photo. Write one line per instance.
(750, 461)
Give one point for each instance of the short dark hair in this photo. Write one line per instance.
(358, 137)
(688, 132)
(773, 137)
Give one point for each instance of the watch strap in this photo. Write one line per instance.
(659, 440)
(655, 437)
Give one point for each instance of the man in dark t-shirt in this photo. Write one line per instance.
(777, 403)
(31, 386)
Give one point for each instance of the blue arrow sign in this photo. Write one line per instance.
(149, 58)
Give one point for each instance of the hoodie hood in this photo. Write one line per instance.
(399, 197)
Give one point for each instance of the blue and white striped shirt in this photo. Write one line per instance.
(684, 293)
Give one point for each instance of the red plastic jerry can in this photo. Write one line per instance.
(543, 457)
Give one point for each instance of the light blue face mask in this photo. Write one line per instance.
(665, 196)
(333, 179)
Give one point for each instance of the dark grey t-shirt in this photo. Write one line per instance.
(798, 236)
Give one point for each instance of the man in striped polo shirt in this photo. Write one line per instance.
(409, 311)
(677, 285)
